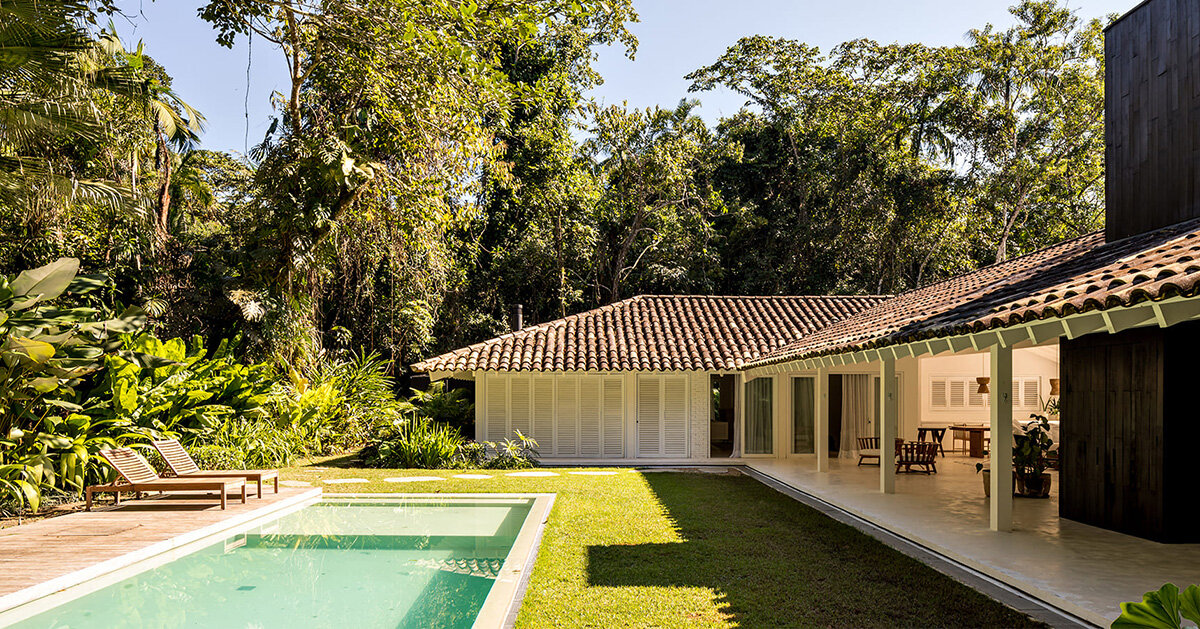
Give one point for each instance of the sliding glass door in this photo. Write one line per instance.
(759, 403)
(803, 415)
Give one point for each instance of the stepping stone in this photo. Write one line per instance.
(532, 474)
(411, 479)
(472, 476)
(341, 481)
(295, 483)
(593, 473)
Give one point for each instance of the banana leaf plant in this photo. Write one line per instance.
(1161, 609)
(54, 335)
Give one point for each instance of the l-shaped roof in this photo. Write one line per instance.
(1076, 276)
(657, 333)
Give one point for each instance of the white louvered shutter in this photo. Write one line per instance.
(1016, 393)
(937, 393)
(496, 412)
(566, 422)
(543, 413)
(975, 399)
(519, 407)
(614, 417)
(1031, 392)
(589, 416)
(649, 415)
(958, 393)
(674, 416)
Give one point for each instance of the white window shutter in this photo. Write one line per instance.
(496, 411)
(1016, 393)
(566, 422)
(543, 413)
(614, 417)
(1032, 394)
(674, 416)
(519, 410)
(589, 416)
(649, 412)
(958, 394)
(975, 399)
(938, 397)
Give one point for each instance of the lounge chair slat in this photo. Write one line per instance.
(177, 458)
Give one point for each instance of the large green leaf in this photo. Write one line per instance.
(1189, 603)
(1158, 610)
(43, 283)
(36, 352)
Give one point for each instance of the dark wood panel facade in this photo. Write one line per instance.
(1152, 117)
(1128, 424)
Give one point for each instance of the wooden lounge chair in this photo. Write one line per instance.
(137, 476)
(920, 454)
(868, 448)
(182, 465)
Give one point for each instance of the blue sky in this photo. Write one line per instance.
(675, 37)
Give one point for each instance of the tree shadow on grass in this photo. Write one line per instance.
(778, 563)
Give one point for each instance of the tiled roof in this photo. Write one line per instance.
(656, 333)
(1080, 275)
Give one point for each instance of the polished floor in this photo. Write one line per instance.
(1085, 570)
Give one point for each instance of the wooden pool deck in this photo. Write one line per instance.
(43, 557)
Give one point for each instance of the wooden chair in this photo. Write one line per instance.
(921, 454)
(868, 448)
(935, 434)
(137, 476)
(182, 465)
(959, 435)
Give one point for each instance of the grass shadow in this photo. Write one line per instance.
(777, 563)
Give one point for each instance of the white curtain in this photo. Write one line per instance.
(856, 411)
(759, 417)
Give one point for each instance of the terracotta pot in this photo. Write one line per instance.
(1031, 486)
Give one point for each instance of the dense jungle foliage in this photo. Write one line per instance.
(433, 163)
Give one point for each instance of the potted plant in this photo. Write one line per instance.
(1030, 477)
(1029, 457)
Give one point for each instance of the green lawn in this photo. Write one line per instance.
(703, 550)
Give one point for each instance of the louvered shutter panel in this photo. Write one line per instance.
(519, 411)
(543, 413)
(589, 416)
(649, 410)
(958, 394)
(1016, 393)
(614, 417)
(496, 412)
(1032, 394)
(937, 393)
(974, 397)
(566, 431)
(674, 417)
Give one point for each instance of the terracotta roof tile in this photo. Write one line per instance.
(1080, 275)
(657, 333)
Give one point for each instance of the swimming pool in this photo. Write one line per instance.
(341, 561)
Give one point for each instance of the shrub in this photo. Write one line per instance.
(210, 457)
(415, 442)
(446, 406)
(513, 454)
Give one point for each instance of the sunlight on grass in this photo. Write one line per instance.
(700, 550)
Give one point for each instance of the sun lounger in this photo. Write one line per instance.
(183, 466)
(137, 476)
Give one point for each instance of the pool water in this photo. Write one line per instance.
(335, 563)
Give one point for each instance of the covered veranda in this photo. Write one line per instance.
(1085, 570)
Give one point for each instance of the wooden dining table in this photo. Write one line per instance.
(974, 437)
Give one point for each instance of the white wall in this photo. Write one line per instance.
(1039, 362)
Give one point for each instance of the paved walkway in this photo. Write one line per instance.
(1085, 570)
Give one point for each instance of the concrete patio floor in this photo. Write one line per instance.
(1084, 570)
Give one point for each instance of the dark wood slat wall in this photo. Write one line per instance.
(1152, 117)
(1128, 431)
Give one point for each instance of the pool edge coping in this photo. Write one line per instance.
(11, 603)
